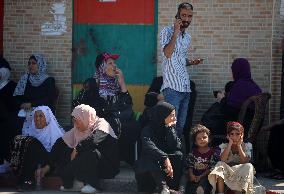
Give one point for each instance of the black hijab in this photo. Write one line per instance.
(158, 115)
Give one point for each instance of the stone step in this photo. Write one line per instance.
(124, 182)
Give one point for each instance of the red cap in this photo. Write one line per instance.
(106, 56)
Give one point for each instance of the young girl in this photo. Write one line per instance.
(200, 161)
(234, 168)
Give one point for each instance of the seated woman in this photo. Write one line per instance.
(275, 143)
(161, 160)
(86, 153)
(32, 151)
(8, 115)
(242, 88)
(113, 102)
(152, 97)
(234, 169)
(36, 87)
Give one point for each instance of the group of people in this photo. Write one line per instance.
(104, 125)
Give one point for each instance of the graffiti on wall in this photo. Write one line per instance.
(58, 25)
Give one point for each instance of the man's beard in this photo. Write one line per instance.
(185, 24)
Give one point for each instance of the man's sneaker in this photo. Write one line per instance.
(165, 191)
(88, 189)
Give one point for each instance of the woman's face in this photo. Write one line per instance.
(39, 118)
(235, 135)
(79, 124)
(171, 119)
(33, 66)
(110, 69)
(202, 139)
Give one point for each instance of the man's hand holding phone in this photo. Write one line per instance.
(177, 26)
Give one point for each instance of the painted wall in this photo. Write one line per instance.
(107, 26)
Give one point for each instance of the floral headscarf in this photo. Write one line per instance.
(108, 86)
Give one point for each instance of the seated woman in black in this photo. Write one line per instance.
(32, 150)
(107, 93)
(275, 143)
(8, 114)
(36, 87)
(86, 153)
(241, 89)
(161, 160)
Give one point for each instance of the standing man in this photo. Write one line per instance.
(175, 42)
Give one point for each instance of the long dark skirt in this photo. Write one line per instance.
(150, 180)
(275, 143)
(9, 129)
(130, 133)
(27, 155)
(87, 167)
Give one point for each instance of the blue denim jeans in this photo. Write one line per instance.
(180, 101)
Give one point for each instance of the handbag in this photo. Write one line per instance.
(257, 187)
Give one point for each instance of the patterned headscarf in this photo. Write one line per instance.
(49, 134)
(88, 116)
(108, 86)
(35, 79)
(4, 76)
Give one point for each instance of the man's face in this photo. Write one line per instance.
(186, 17)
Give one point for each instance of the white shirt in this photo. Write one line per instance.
(175, 75)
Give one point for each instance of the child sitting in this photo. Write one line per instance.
(200, 161)
(234, 168)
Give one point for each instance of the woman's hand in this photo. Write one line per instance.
(121, 80)
(74, 154)
(168, 168)
(192, 178)
(26, 106)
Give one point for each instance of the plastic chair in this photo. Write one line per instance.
(260, 101)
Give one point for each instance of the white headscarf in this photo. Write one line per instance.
(35, 79)
(88, 116)
(5, 76)
(49, 134)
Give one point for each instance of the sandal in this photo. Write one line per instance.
(279, 176)
(273, 174)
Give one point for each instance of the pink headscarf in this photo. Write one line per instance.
(88, 116)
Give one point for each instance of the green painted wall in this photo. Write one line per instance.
(136, 45)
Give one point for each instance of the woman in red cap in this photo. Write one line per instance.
(107, 93)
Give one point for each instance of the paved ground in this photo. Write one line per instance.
(272, 185)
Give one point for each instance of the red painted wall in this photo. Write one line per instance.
(119, 12)
(1, 25)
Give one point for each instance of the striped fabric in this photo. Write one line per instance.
(175, 75)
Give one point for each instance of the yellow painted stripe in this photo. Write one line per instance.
(137, 93)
